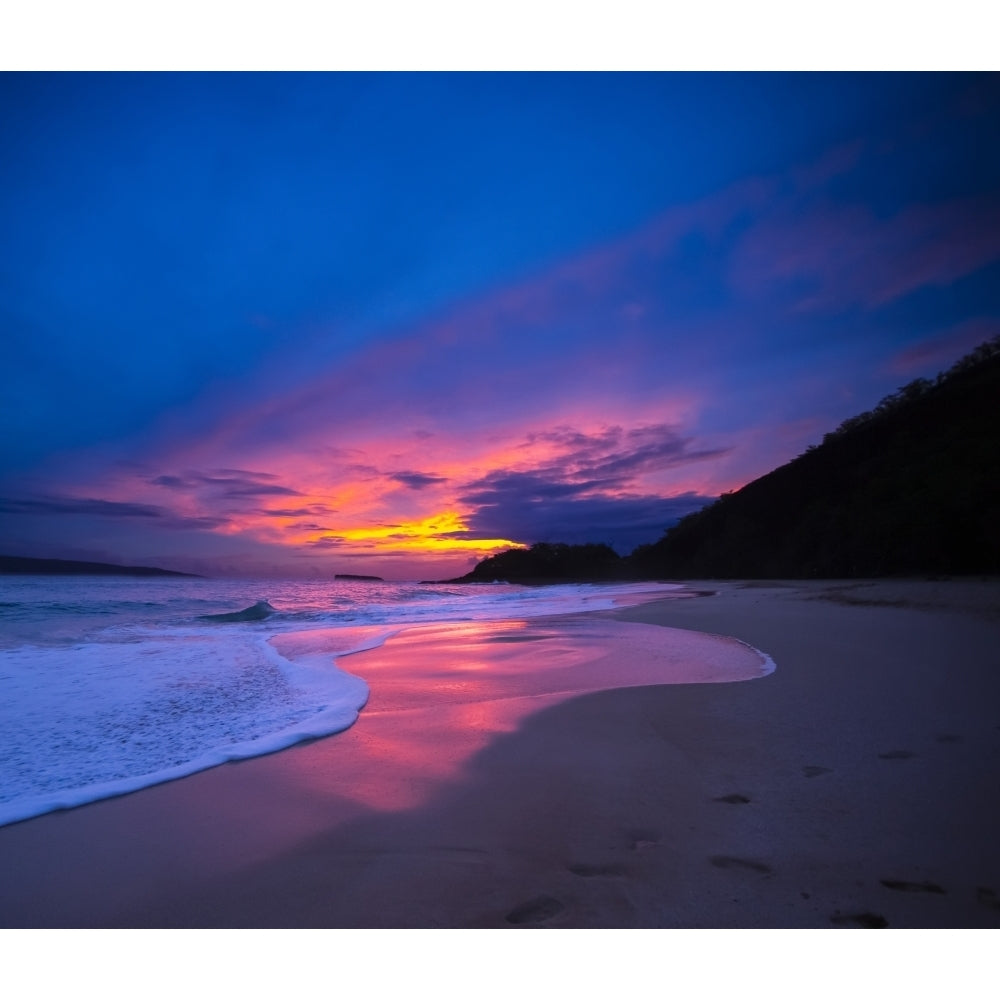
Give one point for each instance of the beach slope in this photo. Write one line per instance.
(856, 786)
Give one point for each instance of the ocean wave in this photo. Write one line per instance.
(255, 613)
(111, 686)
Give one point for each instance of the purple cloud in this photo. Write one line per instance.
(840, 256)
(85, 506)
(227, 483)
(112, 509)
(417, 480)
(532, 512)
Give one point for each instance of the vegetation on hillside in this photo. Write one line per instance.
(912, 486)
(549, 563)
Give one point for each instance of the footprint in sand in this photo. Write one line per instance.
(725, 861)
(595, 871)
(535, 911)
(987, 897)
(901, 886)
(897, 755)
(642, 839)
(814, 770)
(735, 799)
(859, 920)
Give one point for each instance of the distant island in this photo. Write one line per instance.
(909, 488)
(358, 576)
(70, 567)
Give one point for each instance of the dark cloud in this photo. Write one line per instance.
(651, 456)
(587, 491)
(329, 542)
(614, 456)
(230, 484)
(245, 474)
(73, 505)
(501, 487)
(312, 510)
(204, 523)
(114, 509)
(623, 522)
(260, 490)
(417, 480)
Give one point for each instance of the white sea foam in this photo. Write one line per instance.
(108, 686)
(86, 722)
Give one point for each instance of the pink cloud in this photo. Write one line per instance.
(837, 256)
(934, 354)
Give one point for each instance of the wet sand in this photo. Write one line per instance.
(857, 786)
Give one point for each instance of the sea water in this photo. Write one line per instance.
(111, 684)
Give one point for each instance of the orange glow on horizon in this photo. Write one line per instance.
(434, 534)
(413, 494)
(438, 534)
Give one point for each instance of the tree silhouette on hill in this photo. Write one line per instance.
(910, 487)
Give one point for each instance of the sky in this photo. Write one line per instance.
(303, 324)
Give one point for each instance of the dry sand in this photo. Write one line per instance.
(858, 785)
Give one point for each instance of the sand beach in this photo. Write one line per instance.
(856, 786)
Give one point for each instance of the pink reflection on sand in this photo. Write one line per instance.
(442, 693)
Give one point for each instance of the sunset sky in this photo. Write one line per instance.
(377, 323)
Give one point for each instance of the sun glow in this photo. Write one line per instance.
(365, 530)
(439, 533)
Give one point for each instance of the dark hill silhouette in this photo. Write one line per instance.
(549, 563)
(72, 567)
(911, 487)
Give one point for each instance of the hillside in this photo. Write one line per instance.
(912, 487)
(909, 488)
(549, 563)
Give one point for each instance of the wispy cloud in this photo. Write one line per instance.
(614, 456)
(837, 257)
(312, 510)
(111, 509)
(227, 483)
(416, 480)
(940, 350)
(588, 486)
(84, 506)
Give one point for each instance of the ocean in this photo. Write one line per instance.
(112, 684)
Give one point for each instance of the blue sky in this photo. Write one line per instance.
(317, 323)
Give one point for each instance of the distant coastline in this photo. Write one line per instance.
(24, 566)
(358, 576)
